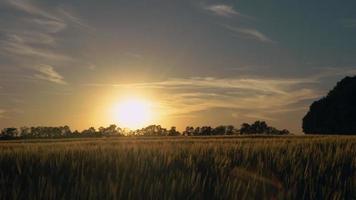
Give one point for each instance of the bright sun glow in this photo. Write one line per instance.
(133, 113)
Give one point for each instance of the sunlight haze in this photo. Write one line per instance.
(197, 62)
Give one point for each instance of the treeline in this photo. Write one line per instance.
(261, 127)
(258, 127)
(58, 132)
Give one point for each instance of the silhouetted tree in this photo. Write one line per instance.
(152, 130)
(101, 130)
(9, 133)
(120, 131)
(25, 132)
(206, 130)
(66, 132)
(261, 127)
(230, 130)
(189, 130)
(111, 130)
(76, 133)
(335, 113)
(90, 132)
(173, 131)
(245, 128)
(219, 130)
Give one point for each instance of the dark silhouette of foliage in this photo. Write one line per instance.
(261, 127)
(173, 131)
(258, 127)
(208, 130)
(152, 130)
(112, 130)
(58, 132)
(189, 131)
(8, 133)
(335, 113)
(90, 131)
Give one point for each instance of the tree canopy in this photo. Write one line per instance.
(335, 113)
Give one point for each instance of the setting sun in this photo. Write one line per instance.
(133, 113)
(178, 99)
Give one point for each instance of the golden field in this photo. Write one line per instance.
(230, 167)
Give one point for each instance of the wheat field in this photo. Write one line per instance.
(280, 167)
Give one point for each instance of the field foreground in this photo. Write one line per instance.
(285, 167)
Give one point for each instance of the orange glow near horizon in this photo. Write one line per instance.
(133, 113)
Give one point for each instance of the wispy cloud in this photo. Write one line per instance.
(47, 72)
(48, 26)
(27, 45)
(33, 36)
(268, 85)
(181, 96)
(71, 17)
(222, 10)
(247, 97)
(250, 33)
(54, 21)
(30, 8)
(228, 11)
(32, 40)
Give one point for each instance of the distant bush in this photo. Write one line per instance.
(208, 130)
(258, 127)
(261, 127)
(9, 133)
(155, 130)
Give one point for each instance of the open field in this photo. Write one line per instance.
(281, 167)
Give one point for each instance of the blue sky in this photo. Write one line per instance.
(201, 62)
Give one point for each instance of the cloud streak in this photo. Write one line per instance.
(250, 33)
(222, 10)
(27, 45)
(248, 98)
(31, 9)
(31, 39)
(182, 96)
(46, 72)
(73, 19)
(48, 26)
(228, 11)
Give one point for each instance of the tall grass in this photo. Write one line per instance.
(175, 168)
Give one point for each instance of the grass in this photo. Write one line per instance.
(284, 167)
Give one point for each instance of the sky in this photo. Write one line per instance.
(198, 62)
